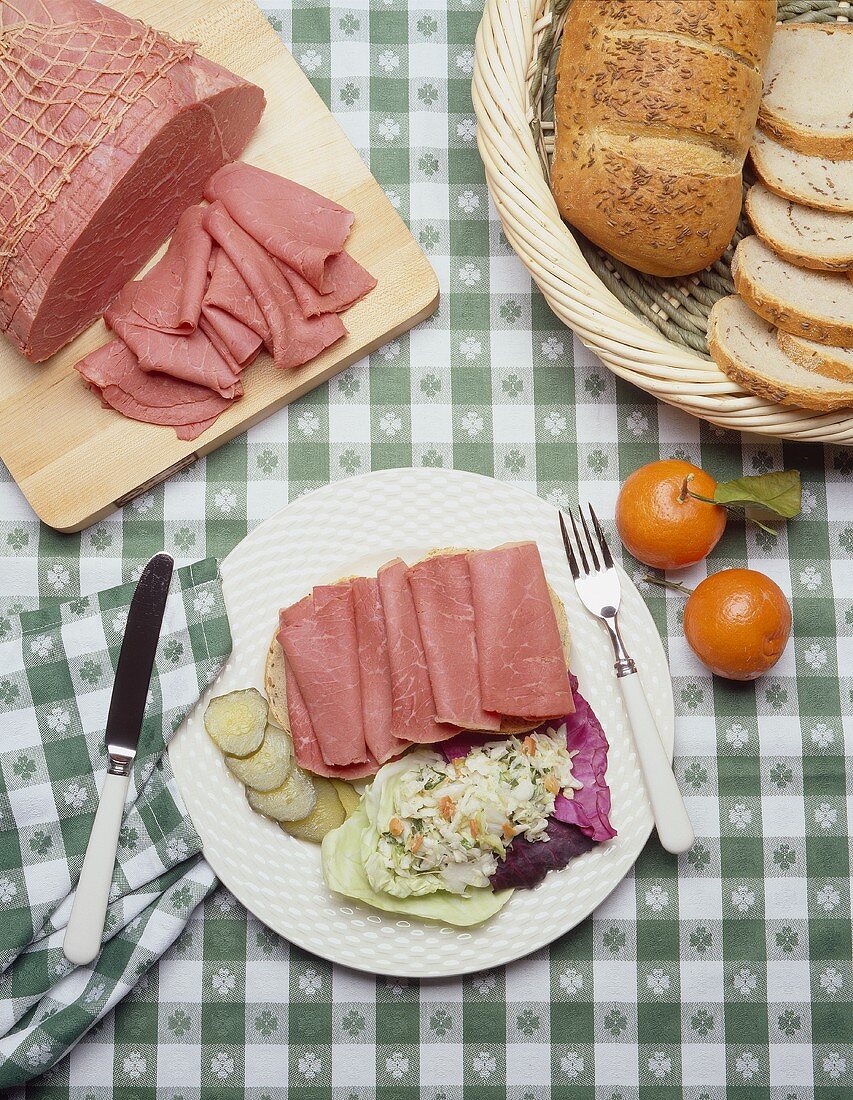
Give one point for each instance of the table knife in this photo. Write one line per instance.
(124, 722)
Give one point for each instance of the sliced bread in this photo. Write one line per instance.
(819, 182)
(817, 239)
(744, 347)
(821, 358)
(815, 304)
(808, 89)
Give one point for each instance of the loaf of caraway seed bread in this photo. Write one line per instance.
(655, 108)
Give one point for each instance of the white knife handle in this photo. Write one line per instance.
(85, 927)
(670, 814)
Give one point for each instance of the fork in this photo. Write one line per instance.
(598, 586)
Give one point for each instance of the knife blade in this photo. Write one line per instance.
(135, 662)
(85, 928)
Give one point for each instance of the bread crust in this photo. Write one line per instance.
(795, 256)
(836, 147)
(785, 316)
(771, 389)
(827, 196)
(274, 671)
(819, 358)
(655, 108)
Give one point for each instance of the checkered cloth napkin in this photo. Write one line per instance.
(56, 677)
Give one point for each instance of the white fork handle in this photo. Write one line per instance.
(85, 927)
(670, 814)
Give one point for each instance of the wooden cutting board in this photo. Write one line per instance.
(76, 462)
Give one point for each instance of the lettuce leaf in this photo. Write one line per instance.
(589, 809)
(529, 861)
(343, 868)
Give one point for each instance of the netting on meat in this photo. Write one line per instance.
(64, 87)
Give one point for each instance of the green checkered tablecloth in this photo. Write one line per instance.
(725, 973)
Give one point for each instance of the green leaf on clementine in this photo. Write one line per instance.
(779, 493)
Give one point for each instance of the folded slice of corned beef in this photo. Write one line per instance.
(319, 640)
(100, 162)
(377, 693)
(520, 652)
(152, 398)
(413, 714)
(234, 341)
(228, 293)
(191, 357)
(169, 296)
(441, 589)
(347, 280)
(306, 747)
(288, 220)
(294, 338)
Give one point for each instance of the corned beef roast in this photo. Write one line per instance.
(109, 130)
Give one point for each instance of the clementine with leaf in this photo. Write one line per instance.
(659, 520)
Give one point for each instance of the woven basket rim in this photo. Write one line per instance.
(504, 66)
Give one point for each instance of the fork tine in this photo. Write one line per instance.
(570, 554)
(579, 542)
(602, 541)
(591, 544)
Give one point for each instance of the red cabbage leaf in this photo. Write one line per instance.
(589, 809)
(529, 861)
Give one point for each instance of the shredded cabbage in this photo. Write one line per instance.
(437, 825)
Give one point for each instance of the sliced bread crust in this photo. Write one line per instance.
(819, 182)
(744, 347)
(808, 89)
(817, 239)
(815, 304)
(821, 358)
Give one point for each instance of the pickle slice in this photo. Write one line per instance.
(236, 721)
(292, 801)
(348, 795)
(267, 767)
(327, 814)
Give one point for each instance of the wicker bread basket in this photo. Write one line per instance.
(649, 331)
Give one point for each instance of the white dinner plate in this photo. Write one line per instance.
(353, 527)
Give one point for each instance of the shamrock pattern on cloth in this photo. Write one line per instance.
(56, 666)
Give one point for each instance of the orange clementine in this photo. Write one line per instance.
(660, 523)
(737, 622)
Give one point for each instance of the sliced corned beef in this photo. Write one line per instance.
(349, 282)
(228, 292)
(319, 640)
(441, 587)
(294, 338)
(191, 357)
(414, 705)
(522, 666)
(291, 222)
(305, 744)
(100, 160)
(377, 698)
(169, 296)
(152, 398)
(234, 341)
